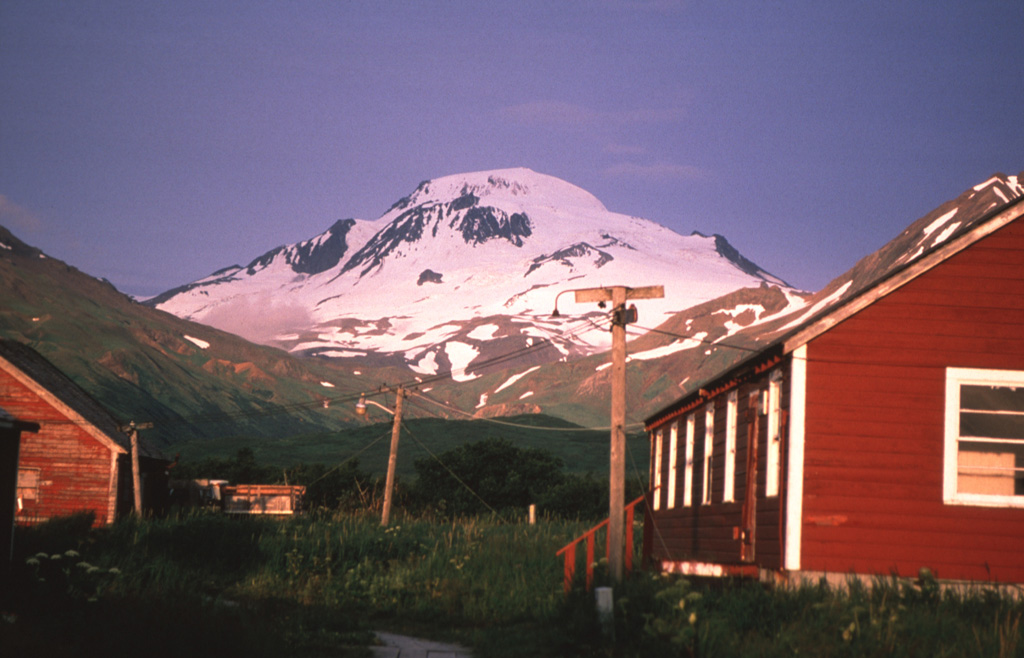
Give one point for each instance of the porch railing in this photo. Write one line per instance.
(569, 550)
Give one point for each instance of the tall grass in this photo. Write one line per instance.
(320, 579)
(670, 616)
(206, 584)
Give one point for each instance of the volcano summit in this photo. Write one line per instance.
(463, 269)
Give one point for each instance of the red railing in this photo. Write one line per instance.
(569, 550)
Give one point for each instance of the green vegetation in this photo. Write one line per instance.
(672, 616)
(581, 451)
(303, 586)
(464, 479)
(203, 584)
(145, 365)
(492, 475)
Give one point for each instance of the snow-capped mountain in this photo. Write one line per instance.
(702, 342)
(464, 270)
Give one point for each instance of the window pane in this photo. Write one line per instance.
(28, 483)
(990, 468)
(992, 425)
(992, 398)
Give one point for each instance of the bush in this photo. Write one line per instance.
(577, 496)
(343, 488)
(487, 475)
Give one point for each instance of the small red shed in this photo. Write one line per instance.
(79, 460)
(873, 429)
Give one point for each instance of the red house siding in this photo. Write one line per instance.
(874, 450)
(74, 467)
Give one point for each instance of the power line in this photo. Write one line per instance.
(542, 343)
(280, 409)
(450, 471)
(511, 424)
(765, 347)
(350, 458)
(583, 323)
(716, 343)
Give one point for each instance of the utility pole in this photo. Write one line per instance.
(389, 486)
(389, 483)
(617, 477)
(133, 433)
(621, 316)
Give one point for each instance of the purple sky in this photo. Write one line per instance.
(152, 143)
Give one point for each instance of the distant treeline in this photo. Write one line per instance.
(483, 477)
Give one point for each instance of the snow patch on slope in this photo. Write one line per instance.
(426, 365)
(483, 332)
(461, 355)
(665, 350)
(934, 226)
(828, 301)
(198, 342)
(514, 378)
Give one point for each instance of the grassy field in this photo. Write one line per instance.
(205, 584)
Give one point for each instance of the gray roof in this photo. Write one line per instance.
(969, 213)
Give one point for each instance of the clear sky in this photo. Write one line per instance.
(152, 143)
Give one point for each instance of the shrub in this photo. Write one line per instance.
(492, 474)
(339, 488)
(577, 496)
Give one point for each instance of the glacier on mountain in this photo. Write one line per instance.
(459, 253)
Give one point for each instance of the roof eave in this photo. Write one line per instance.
(714, 386)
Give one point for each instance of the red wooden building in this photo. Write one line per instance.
(10, 444)
(78, 460)
(875, 430)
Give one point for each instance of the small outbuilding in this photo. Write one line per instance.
(77, 459)
(874, 428)
(261, 499)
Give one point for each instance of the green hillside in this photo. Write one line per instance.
(582, 451)
(190, 380)
(209, 393)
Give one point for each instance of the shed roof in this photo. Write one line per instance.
(48, 377)
(930, 240)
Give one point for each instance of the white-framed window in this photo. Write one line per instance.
(673, 457)
(688, 482)
(656, 468)
(731, 412)
(28, 485)
(984, 437)
(709, 446)
(771, 474)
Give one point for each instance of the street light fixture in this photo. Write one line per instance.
(361, 406)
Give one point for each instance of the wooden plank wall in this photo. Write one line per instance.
(704, 533)
(875, 423)
(74, 468)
